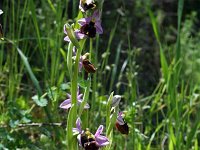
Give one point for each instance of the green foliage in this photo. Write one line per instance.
(143, 55)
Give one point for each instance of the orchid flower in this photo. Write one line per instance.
(120, 120)
(85, 5)
(77, 34)
(89, 141)
(84, 62)
(66, 104)
(91, 25)
(121, 125)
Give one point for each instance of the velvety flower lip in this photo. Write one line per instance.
(85, 5)
(121, 125)
(88, 66)
(101, 140)
(66, 104)
(87, 140)
(120, 119)
(77, 33)
(90, 24)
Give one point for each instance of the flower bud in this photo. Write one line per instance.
(115, 101)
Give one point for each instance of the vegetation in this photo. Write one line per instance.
(148, 54)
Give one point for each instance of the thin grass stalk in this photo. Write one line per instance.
(82, 112)
(33, 11)
(105, 60)
(108, 110)
(114, 71)
(52, 6)
(163, 60)
(85, 97)
(178, 46)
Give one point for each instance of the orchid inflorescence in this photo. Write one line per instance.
(88, 27)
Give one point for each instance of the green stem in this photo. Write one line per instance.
(73, 111)
(91, 48)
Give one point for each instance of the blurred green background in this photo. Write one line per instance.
(162, 112)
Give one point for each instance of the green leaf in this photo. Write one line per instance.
(40, 101)
(163, 60)
(108, 110)
(65, 86)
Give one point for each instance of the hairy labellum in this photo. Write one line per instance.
(88, 141)
(124, 129)
(91, 146)
(88, 66)
(89, 29)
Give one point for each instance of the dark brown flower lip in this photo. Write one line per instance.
(123, 129)
(91, 146)
(88, 141)
(88, 66)
(89, 29)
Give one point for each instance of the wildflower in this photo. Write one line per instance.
(121, 125)
(89, 141)
(85, 5)
(88, 66)
(115, 100)
(77, 34)
(91, 25)
(66, 104)
(84, 62)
